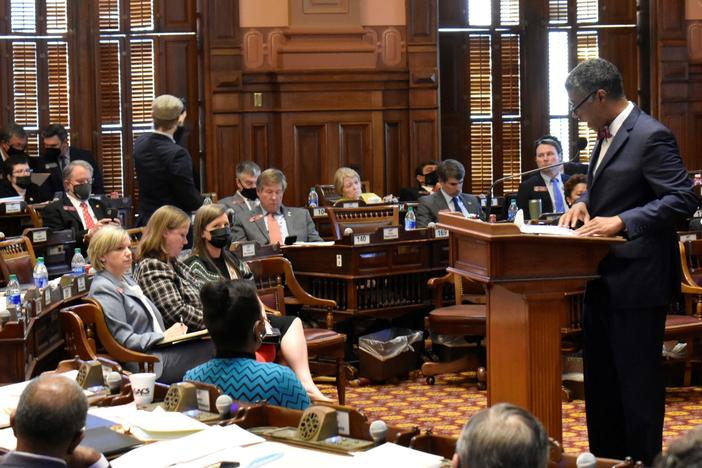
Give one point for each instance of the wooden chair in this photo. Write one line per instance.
(17, 256)
(444, 446)
(688, 328)
(274, 276)
(327, 194)
(460, 319)
(87, 336)
(35, 216)
(135, 235)
(363, 219)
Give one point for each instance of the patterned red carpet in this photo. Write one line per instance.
(446, 406)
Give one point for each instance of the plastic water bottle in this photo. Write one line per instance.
(41, 274)
(410, 219)
(78, 263)
(313, 198)
(207, 201)
(512, 210)
(13, 293)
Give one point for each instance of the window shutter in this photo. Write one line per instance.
(141, 15)
(24, 81)
(109, 73)
(587, 11)
(558, 12)
(481, 156)
(58, 80)
(108, 15)
(587, 47)
(23, 16)
(112, 150)
(509, 12)
(479, 76)
(56, 17)
(142, 79)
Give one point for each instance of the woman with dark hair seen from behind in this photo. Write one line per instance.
(135, 321)
(211, 261)
(235, 319)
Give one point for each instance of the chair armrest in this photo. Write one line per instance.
(437, 287)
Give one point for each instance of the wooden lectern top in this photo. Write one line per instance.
(500, 253)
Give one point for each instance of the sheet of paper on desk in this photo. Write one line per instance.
(313, 244)
(540, 228)
(390, 454)
(271, 455)
(160, 425)
(188, 449)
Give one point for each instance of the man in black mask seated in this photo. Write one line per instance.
(75, 210)
(13, 140)
(58, 154)
(245, 198)
(18, 181)
(427, 181)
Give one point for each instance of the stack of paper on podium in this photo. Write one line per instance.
(390, 454)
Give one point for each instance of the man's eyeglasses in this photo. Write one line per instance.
(574, 108)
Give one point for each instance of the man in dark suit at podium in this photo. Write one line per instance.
(638, 189)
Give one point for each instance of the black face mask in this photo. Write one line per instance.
(431, 178)
(23, 181)
(249, 193)
(14, 151)
(179, 134)
(52, 154)
(82, 191)
(221, 238)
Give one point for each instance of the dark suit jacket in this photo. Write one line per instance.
(643, 181)
(534, 188)
(62, 215)
(429, 207)
(165, 173)
(250, 225)
(34, 193)
(55, 181)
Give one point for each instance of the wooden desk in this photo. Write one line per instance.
(369, 276)
(323, 225)
(37, 347)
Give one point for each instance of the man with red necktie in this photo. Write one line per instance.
(75, 210)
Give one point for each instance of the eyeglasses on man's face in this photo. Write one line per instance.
(574, 108)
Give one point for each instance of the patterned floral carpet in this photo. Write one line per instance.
(447, 404)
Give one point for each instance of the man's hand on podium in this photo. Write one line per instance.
(577, 212)
(605, 226)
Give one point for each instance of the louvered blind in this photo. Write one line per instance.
(509, 12)
(110, 104)
(481, 156)
(142, 79)
(24, 80)
(558, 11)
(587, 11)
(58, 81)
(587, 48)
(108, 15)
(510, 77)
(511, 153)
(479, 76)
(56, 16)
(141, 15)
(23, 16)
(112, 166)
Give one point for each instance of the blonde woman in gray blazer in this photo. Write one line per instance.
(133, 319)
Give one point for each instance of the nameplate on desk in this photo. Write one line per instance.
(687, 237)
(12, 208)
(203, 399)
(494, 202)
(47, 296)
(391, 233)
(441, 233)
(248, 250)
(361, 239)
(54, 250)
(319, 212)
(66, 292)
(81, 283)
(483, 202)
(39, 236)
(351, 205)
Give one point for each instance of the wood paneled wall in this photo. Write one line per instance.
(676, 75)
(309, 100)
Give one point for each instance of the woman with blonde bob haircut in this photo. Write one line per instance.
(163, 277)
(212, 261)
(348, 185)
(132, 318)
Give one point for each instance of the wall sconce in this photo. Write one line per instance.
(258, 99)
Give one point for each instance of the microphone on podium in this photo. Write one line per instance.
(348, 231)
(224, 406)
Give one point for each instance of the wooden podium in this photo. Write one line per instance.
(526, 277)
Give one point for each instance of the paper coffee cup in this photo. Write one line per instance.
(143, 387)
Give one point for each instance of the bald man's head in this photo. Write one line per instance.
(50, 415)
